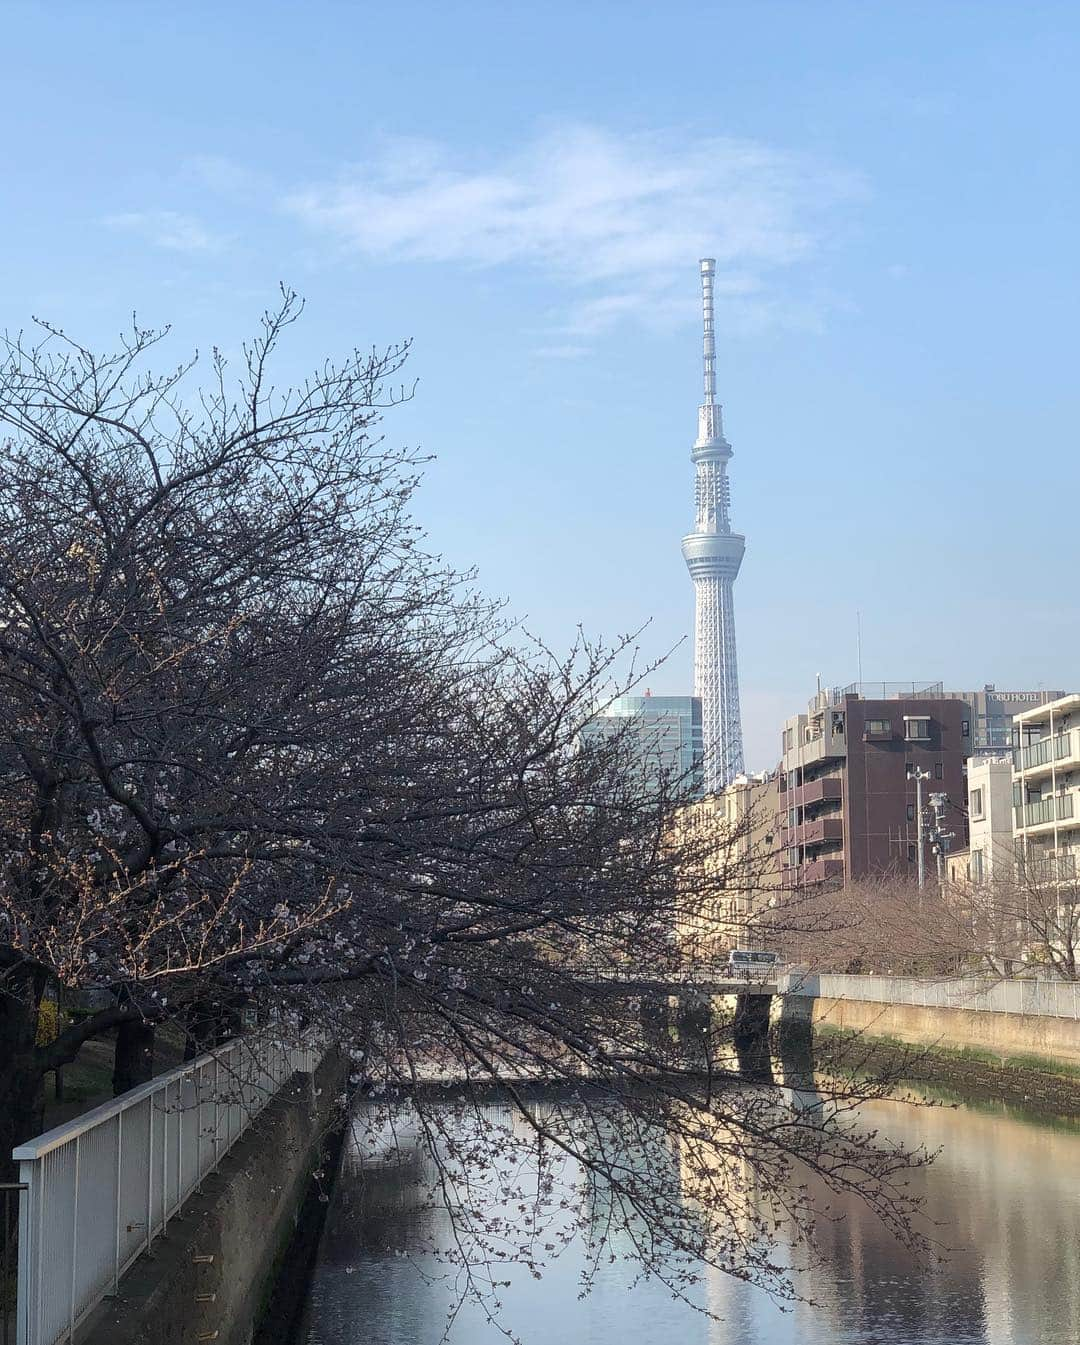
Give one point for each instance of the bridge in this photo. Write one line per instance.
(703, 980)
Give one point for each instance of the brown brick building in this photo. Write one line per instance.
(847, 802)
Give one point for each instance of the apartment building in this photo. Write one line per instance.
(741, 821)
(991, 851)
(1046, 788)
(847, 794)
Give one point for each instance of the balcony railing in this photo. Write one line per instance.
(817, 871)
(1044, 752)
(818, 791)
(1049, 868)
(1055, 808)
(815, 832)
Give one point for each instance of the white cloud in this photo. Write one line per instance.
(618, 218)
(225, 177)
(168, 229)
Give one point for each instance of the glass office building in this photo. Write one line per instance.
(664, 733)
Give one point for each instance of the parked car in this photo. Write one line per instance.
(749, 962)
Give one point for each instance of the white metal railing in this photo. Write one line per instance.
(1050, 999)
(1043, 752)
(1054, 807)
(101, 1187)
(688, 973)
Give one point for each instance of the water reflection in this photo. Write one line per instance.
(1004, 1197)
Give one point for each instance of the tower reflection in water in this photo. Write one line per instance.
(1003, 1196)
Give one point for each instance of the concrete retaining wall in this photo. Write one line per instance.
(208, 1277)
(1056, 1040)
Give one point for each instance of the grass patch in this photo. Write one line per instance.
(971, 1054)
(1028, 1087)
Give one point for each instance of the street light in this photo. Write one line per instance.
(917, 774)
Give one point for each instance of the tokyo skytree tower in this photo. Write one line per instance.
(713, 554)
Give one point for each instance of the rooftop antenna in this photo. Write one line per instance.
(858, 642)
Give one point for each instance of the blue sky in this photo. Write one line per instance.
(891, 191)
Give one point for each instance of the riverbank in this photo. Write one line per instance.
(961, 1074)
(216, 1271)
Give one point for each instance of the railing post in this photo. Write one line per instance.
(23, 1288)
(39, 1259)
(217, 1105)
(180, 1141)
(22, 1272)
(149, 1167)
(164, 1156)
(74, 1242)
(119, 1201)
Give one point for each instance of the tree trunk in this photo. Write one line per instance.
(22, 1081)
(210, 1022)
(133, 1059)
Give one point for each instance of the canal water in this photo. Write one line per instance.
(1003, 1195)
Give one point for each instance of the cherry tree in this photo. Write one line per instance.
(259, 749)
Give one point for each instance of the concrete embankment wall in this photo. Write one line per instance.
(1008, 1035)
(211, 1273)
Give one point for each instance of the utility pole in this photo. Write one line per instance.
(917, 774)
(939, 837)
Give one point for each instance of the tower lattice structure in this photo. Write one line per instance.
(713, 554)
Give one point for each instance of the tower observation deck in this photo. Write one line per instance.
(713, 554)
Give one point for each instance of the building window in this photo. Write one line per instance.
(878, 726)
(916, 728)
(911, 812)
(977, 871)
(965, 728)
(911, 854)
(939, 771)
(976, 803)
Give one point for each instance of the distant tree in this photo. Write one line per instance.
(1025, 916)
(882, 923)
(259, 749)
(1024, 919)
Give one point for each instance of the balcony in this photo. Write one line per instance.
(1044, 812)
(817, 871)
(827, 789)
(818, 831)
(1049, 868)
(1044, 756)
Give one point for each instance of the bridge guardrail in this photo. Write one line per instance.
(101, 1187)
(1051, 999)
(688, 973)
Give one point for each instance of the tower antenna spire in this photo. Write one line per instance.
(708, 270)
(710, 416)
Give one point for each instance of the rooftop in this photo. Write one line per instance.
(1063, 705)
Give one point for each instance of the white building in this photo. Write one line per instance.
(1046, 788)
(991, 844)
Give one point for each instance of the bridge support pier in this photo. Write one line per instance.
(751, 1037)
(655, 1015)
